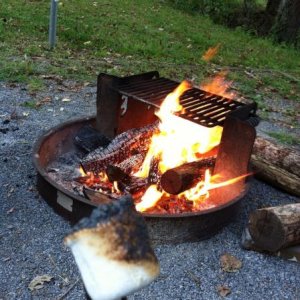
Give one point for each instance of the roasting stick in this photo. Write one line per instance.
(112, 251)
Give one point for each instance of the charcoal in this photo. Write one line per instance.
(88, 139)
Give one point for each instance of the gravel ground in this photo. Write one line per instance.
(31, 233)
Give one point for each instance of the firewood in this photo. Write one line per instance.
(182, 178)
(126, 144)
(154, 173)
(132, 164)
(89, 139)
(274, 228)
(115, 173)
(277, 164)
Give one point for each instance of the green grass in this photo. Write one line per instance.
(285, 138)
(127, 37)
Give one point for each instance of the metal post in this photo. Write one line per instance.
(52, 24)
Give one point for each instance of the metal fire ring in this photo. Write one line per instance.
(170, 228)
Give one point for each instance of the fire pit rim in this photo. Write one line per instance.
(90, 119)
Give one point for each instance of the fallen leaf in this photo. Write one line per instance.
(223, 290)
(45, 100)
(229, 263)
(38, 282)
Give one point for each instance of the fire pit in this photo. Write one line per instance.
(126, 106)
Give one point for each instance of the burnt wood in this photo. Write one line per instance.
(274, 228)
(126, 144)
(182, 178)
(133, 163)
(115, 173)
(89, 139)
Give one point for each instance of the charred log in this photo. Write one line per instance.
(154, 173)
(128, 143)
(182, 178)
(115, 173)
(274, 228)
(132, 164)
(89, 139)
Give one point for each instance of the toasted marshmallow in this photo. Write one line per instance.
(112, 251)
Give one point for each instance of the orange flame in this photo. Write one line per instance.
(178, 141)
(211, 52)
(219, 86)
(149, 199)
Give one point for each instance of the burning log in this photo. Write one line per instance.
(154, 173)
(182, 178)
(112, 251)
(274, 228)
(115, 173)
(132, 163)
(128, 143)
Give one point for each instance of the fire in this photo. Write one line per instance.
(220, 86)
(211, 52)
(149, 199)
(201, 191)
(179, 141)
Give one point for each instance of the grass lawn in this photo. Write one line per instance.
(127, 37)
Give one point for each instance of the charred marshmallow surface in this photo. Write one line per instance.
(112, 251)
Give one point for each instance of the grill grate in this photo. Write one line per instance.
(200, 107)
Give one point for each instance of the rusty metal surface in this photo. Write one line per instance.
(130, 102)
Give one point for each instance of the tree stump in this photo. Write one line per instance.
(274, 228)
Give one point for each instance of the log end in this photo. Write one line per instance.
(266, 230)
(171, 182)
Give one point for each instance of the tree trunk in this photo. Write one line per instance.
(269, 16)
(274, 228)
(287, 25)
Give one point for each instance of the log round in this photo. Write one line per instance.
(274, 228)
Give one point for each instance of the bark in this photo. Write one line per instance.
(275, 228)
(287, 24)
(182, 178)
(126, 144)
(277, 164)
(269, 16)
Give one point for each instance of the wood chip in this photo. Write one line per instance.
(229, 263)
(38, 282)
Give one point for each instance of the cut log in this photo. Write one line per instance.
(115, 173)
(182, 178)
(126, 144)
(277, 164)
(274, 228)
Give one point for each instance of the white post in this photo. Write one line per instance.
(52, 24)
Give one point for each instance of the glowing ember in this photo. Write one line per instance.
(219, 86)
